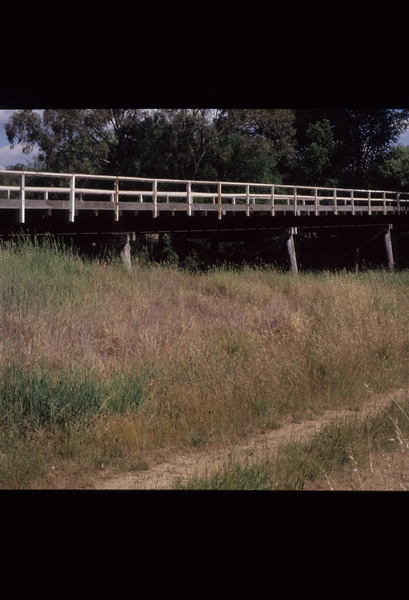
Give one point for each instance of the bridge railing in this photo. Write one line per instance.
(30, 190)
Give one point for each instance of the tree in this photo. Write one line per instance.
(174, 143)
(86, 140)
(362, 138)
(368, 135)
(394, 170)
(365, 137)
(254, 144)
(316, 158)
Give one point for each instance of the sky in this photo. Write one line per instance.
(10, 157)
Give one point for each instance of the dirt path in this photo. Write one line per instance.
(163, 475)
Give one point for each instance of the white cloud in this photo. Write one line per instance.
(5, 115)
(10, 156)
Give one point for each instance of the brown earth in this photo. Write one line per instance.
(163, 473)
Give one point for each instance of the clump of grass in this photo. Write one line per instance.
(126, 393)
(35, 397)
(234, 476)
(47, 274)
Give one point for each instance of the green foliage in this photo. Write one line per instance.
(34, 397)
(168, 253)
(395, 168)
(173, 143)
(354, 142)
(316, 158)
(85, 141)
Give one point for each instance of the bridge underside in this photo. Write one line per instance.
(87, 222)
(322, 241)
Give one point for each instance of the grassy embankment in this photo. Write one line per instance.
(101, 367)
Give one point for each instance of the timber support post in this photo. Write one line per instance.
(389, 249)
(125, 250)
(291, 249)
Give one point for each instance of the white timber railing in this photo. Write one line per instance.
(73, 192)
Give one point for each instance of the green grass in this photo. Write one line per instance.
(33, 397)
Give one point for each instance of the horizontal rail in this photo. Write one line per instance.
(217, 197)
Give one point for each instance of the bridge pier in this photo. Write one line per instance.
(124, 246)
(389, 249)
(291, 249)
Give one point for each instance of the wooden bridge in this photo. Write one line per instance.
(81, 192)
(72, 203)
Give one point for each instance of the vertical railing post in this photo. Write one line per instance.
(72, 199)
(219, 200)
(316, 202)
(335, 203)
(116, 199)
(155, 198)
(247, 200)
(369, 203)
(189, 198)
(352, 202)
(398, 201)
(23, 198)
(384, 203)
(295, 201)
(272, 201)
(49, 210)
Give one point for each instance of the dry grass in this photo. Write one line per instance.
(360, 453)
(228, 352)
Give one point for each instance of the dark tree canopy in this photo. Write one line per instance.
(355, 141)
(344, 147)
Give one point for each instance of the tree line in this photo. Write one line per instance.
(324, 147)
